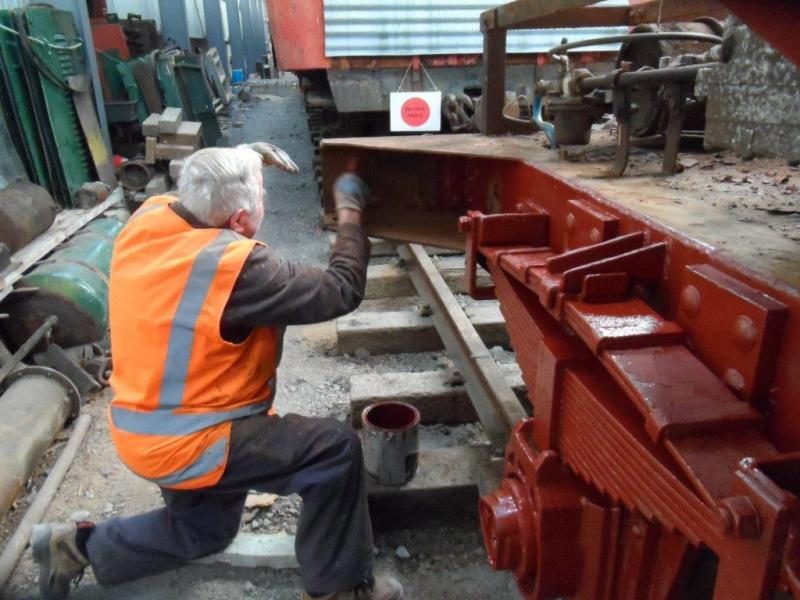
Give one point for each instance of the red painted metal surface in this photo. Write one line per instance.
(297, 29)
(657, 409)
(662, 373)
(777, 24)
(109, 36)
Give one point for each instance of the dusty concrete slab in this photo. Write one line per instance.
(150, 144)
(150, 125)
(440, 396)
(408, 331)
(173, 151)
(188, 134)
(170, 120)
(257, 550)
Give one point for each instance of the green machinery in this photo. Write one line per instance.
(45, 92)
(72, 284)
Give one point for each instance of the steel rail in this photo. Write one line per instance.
(492, 397)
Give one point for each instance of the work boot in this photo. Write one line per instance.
(383, 588)
(61, 563)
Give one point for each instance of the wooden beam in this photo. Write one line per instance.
(508, 15)
(490, 114)
(600, 16)
(677, 11)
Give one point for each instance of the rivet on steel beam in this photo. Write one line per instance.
(745, 333)
(594, 235)
(747, 464)
(734, 379)
(744, 518)
(570, 222)
(690, 301)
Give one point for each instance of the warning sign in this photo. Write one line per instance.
(415, 111)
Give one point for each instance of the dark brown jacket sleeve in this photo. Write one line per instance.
(273, 292)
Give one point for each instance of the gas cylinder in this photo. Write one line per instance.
(72, 284)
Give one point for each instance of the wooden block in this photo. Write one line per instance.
(188, 134)
(389, 281)
(444, 491)
(439, 397)
(150, 125)
(172, 151)
(394, 332)
(257, 550)
(157, 185)
(150, 150)
(170, 120)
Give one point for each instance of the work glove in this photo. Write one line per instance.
(273, 156)
(350, 191)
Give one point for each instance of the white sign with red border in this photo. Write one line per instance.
(415, 111)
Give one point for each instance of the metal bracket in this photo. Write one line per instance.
(621, 102)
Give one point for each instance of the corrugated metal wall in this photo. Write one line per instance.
(420, 27)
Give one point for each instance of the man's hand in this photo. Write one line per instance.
(274, 156)
(350, 192)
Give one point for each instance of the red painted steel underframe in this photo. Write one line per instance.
(776, 22)
(658, 471)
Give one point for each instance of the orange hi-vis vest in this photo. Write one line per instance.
(177, 383)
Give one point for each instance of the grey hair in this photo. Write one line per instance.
(215, 182)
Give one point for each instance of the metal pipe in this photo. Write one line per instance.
(35, 408)
(687, 36)
(684, 74)
(26, 348)
(16, 545)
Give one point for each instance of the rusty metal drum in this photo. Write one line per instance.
(26, 211)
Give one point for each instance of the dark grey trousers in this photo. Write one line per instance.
(319, 459)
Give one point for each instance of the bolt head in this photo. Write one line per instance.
(570, 222)
(734, 379)
(745, 333)
(743, 519)
(594, 235)
(690, 301)
(747, 463)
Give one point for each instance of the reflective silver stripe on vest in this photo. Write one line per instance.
(208, 461)
(166, 422)
(181, 336)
